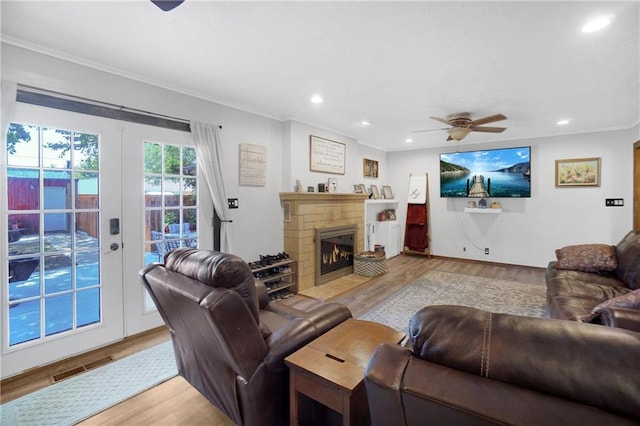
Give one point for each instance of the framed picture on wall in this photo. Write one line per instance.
(326, 155)
(370, 168)
(578, 172)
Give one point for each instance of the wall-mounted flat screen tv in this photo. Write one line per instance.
(502, 173)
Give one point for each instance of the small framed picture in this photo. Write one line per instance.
(370, 168)
(357, 188)
(375, 192)
(363, 188)
(387, 192)
(332, 185)
(298, 186)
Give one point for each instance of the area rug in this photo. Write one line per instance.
(336, 287)
(447, 288)
(73, 400)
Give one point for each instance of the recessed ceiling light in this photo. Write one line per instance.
(408, 140)
(316, 99)
(562, 122)
(597, 24)
(365, 123)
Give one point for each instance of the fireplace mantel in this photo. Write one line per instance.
(304, 212)
(323, 196)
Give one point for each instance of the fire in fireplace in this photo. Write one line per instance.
(334, 252)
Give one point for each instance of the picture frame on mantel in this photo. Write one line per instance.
(370, 168)
(326, 156)
(578, 172)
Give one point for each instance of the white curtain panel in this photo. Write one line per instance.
(208, 149)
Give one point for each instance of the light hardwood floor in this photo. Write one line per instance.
(176, 402)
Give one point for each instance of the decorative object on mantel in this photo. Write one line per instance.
(298, 186)
(309, 188)
(357, 189)
(370, 168)
(578, 172)
(482, 204)
(387, 192)
(326, 155)
(332, 185)
(363, 188)
(472, 204)
(321, 187)
(253, 165)
(374, 191)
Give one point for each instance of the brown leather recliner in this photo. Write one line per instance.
(471, 367)
(229, 341)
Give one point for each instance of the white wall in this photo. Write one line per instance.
(529, 230)
(257, 224)
(297, 143)
(525, 233)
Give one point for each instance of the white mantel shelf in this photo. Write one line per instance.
(381, 201)
(307, 196)
(483, 211)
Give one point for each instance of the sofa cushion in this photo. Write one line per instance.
(629, 300)
(573, 308)
(584, 284)
(587, 258)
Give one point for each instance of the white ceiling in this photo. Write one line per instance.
(392, 63)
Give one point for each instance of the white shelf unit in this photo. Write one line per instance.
(386, 233)
(482, 211)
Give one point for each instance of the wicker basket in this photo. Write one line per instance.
(369, 266)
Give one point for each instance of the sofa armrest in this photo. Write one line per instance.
(545, 355)
(302, 330)
(620, 317)
(383, 381)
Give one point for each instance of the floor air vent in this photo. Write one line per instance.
(67, 374)
(78, 370)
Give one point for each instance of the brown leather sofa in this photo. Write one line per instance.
(573, 294)
(465, 366)
(229, 341)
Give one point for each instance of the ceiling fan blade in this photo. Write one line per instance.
(488, 129)
(442, 120)
(428, 130)
(489, 119)
(167, 5)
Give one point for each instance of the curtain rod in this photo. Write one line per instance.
(58, 100)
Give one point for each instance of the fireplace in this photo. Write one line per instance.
(335, 248)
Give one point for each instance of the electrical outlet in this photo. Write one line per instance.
(486, 250)
(614, 202)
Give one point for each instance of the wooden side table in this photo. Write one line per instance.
(330, 370)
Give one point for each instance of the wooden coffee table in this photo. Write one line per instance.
(330, 370)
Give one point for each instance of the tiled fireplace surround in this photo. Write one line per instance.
(307, 211)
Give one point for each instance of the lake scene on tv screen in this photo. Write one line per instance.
(490, 173)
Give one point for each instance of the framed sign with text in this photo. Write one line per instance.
(326, 155)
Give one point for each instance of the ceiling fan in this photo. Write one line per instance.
(462, 124)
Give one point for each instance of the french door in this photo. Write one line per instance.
(62, 277)
(77, 214)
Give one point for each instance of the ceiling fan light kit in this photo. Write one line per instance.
(458, 133)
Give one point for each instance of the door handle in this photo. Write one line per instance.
(113, 247)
